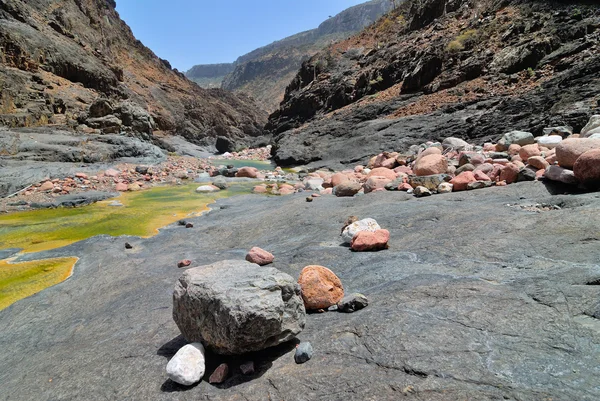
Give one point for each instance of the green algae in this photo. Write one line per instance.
(21, 280)
(142, 214)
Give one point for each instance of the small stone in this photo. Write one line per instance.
(476, 185)
(182, 222)
(421, 192)
(445, 188)
(47, 186)
(569, 150)
(247, 368)
(220, 374)
(189, 225)
(321, 288)
(304, 351)
(375, 183)
(207, 189)
(592, 127)
(560, 174)
(121, 187)
(347, 188)
(430, 165)
(128, 246)
(111, 173)
(184, 263)
(259, 256)
(188, 365)
(461, 181)
(83, 176)
(587, 168)
(515, 137)
(352, 303)
(309, 198)
(549, 142)
(526, 174)
(350, 231)
(143, 170)
(248, 172)
(221, 183)
(365, 241)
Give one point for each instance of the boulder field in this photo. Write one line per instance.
(482, 295)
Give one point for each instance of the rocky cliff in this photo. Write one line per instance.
(76, 64)
(209, 75)
(436, 68)
(265, 72)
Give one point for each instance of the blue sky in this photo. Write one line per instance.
(188, 32)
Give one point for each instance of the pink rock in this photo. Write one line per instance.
(259, 189)
(81, 175)
(501, 184)
(430, 151)
(287, 191)
(489, 147)
(519, 164)
(383, 172)
(358, 169)
(431, 165)
(376, 182)
(587, 168)
(184, 263)
(111, 172)
(552, 159)
(538, 162)
(327, 191)
(220, 374)
(540, 174)
(461, 181)
(485, 168)
(528, 151)
(121, 187)
(47, 186)
(370, 241)
(481, 176)
(569, 150)
(404, 186)
(509, 173)
(248, 172)
(338, 178)
(514, 149)
(403, 169)
(259, 256)
(376, 161)
(389, 163)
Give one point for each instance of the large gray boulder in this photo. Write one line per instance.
(235, 306)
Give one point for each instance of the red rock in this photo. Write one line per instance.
(259, 256)
(495, 174)
(431, 165)
(404, 186)
(47, 186)
(528, 151)
(481, 176)
(510, 173)
(370, 241)
(485, 168)
(569, 150)
(376, 182)
(184, 263)
(81, 175)
(383, 172)
(248, 172)
(121, 187)
(587, 168)
(220, 374)
(540, 174)
(321, 288)
(461, 181)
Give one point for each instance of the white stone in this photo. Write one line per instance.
(592, 127)
(207, 189)
(188, 365)
(444, 188)
(550, 141)
(455, 144)
(361, 225)
(314, 184)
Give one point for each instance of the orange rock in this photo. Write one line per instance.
(430, 165)
(510, 173)
(538, 162)
(338, 178)
(376, 182)
(528, 151)
(321, 288)
(383, 172)
(47, 186)
(514, 149)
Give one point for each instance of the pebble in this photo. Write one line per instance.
(352, 303)
(421, 192)
(259, 256)
(304, 352)
(220, 374)
(247, 368)
(320, 287)
(128, 246)
(189, 225)
(184, 263)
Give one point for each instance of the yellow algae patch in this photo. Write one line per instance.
(142, 214)
(20, 280)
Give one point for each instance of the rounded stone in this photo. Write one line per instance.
(431, 165)
(569, 150)
(259, 256)
(587, 168)
(188, 365)
(351, 230)
(321, 288)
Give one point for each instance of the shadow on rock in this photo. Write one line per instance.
(169, 349)
(169, 386)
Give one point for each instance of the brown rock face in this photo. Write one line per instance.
(321, 288)
(74, 61)
(569, 150)
(587, 168)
